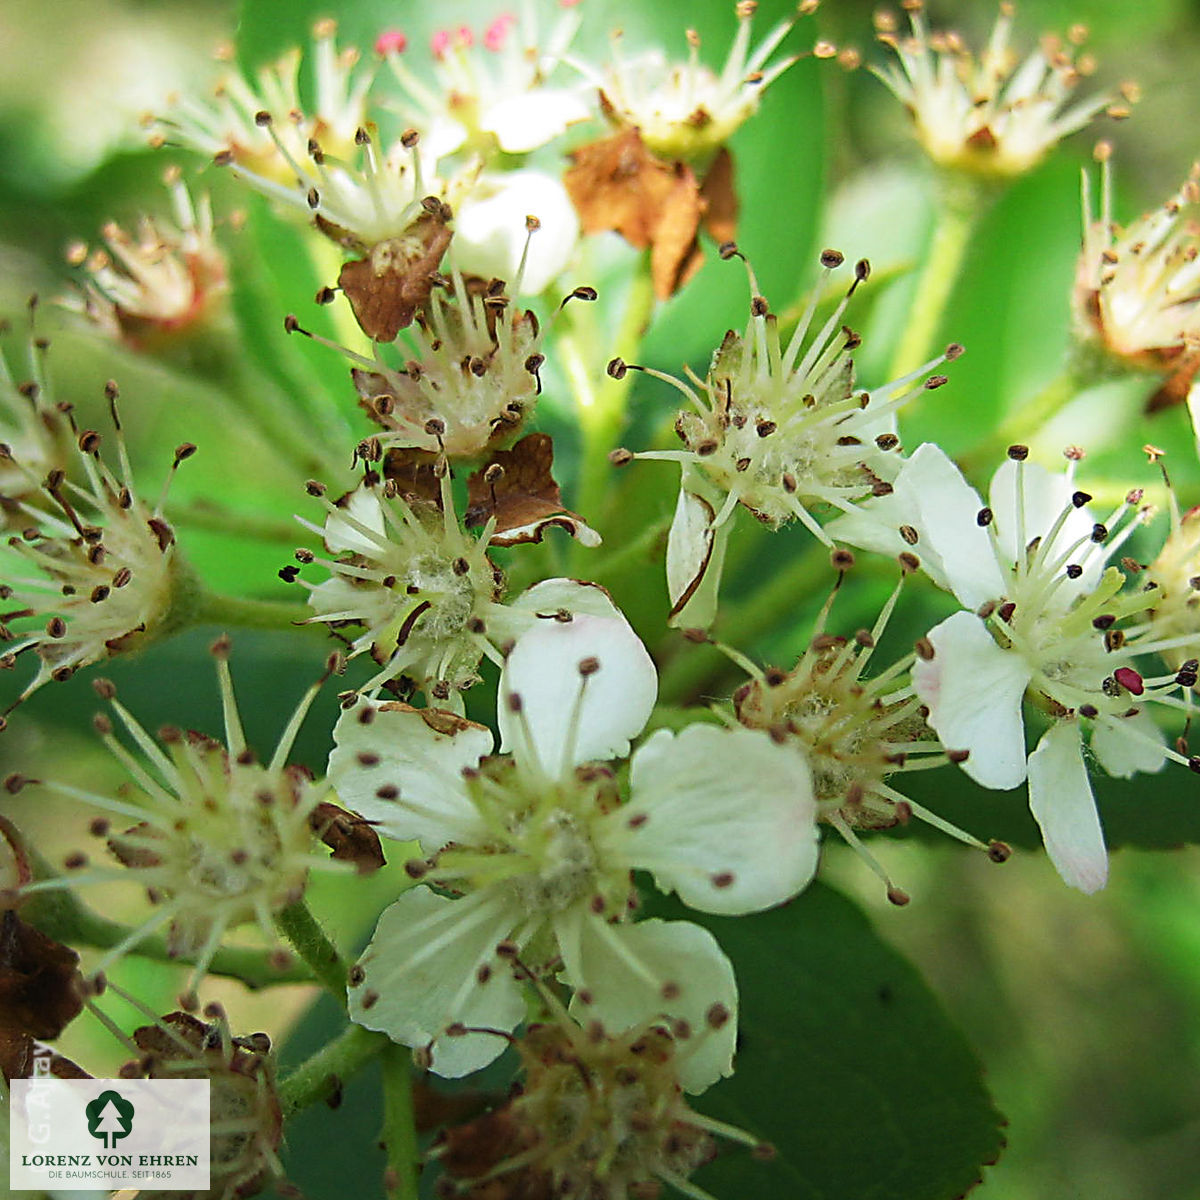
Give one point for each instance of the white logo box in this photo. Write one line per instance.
(153, 1135)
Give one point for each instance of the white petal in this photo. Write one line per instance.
(1126, 745)
(490, 230)
(343, 531)
(567, 728)
(695, 554)
(525, 121)
(422, 974)
(724, 846)
(948, 531)
(568, 595)
(930, 495)
(974, 690)
(623, 970)
(1060, 798)
(875, 525)
(422, 753)
(1193, 407)
(1045, 495)
(533, 531)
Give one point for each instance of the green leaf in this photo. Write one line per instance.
(1153, 812)
(847, 1064)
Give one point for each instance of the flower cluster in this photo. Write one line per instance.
(994, 114)
(586, 817)
(104, 572)
(1045, 618)
(160, 280)
(216, 838)
(537, 845)
(781, 428)
(1137, 288)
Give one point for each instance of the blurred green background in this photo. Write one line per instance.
(1085, 1011)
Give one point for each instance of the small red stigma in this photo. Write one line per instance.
(391, 41)
(1130, 680)
(496, 33)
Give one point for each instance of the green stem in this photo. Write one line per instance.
(399, 1125)
(1018, 426)
(319, 1077)
(205, 514)
(61, 916)
(601, 398)
(308, 939)
(215, 609)
(959, 206)
(688, 673)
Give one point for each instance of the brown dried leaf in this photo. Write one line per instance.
(616, 183)
(350, 837)
(522, 496)
(41, 988)
(389, 285)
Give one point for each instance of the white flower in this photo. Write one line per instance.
(687, 110)
(994, 115)
(1049, 622)
(467, 379)
(493, 224)
(540, 846)
(1176, 572)
(95, 571)
(263, 125)
(159, 281)
(857, 732)
(491, 94)
(216, 838)
(369, 198)
(425, 592)
(1137, 287)
(599, 1113)
(36, 433)
(781, 429)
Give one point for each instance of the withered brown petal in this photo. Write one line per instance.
(41, 988)
(524, 500)
(675, 254)
(164, 1040)
(412, 471)
(19, 1052)
(720, 197)
(1175, 388)
(15, 870)
(389, 285)
(433, 1108)
(616, 183)
(349, 837)
(467, 1151)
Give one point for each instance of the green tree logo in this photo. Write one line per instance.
(109, 1117)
